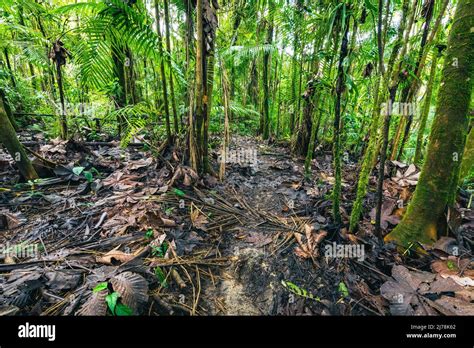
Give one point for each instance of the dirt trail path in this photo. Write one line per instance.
(263, 243)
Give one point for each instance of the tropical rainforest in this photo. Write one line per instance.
(228, 157)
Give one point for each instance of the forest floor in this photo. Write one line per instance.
(262, 242)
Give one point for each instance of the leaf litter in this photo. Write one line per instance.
(116, 232)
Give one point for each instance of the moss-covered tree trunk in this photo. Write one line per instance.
(206, 26)
(8, 110)
(266, 76)
(426, 108)
(59, 54)
(448, 136)
(340, 87)
(468, 157)
(168, 59)
(163, 74)
(15, 149)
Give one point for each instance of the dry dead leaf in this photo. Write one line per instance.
(198, 219)
(119, 181)
(408, 178)
(133, 165)
(388, 215)
(114, 256)
(133, 290)
(456, 305)
(307, 248)
(452, 267)
(259, 239)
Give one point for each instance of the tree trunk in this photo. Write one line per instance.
(468, 157)
(266, 82)
(168, 59)
(62, 119)
(447, 139)
(195, 146)
(163, 75)
(10, 71)
(426, 109)
(15, 149)
(340, 86)
(394, 77)
(8, 110)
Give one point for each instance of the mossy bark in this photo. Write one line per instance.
(448, 136)
(266, 82)
(370, 156)
(15, 149)
(312, 105)
(468, 157)
(8, 110)
(163, 75)
(336, 193)
(367, 162)
(168, 60)
(425, 111)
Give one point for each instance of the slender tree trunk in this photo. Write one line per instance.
(170, 68)
(163, 74)
(393, 76)
(62, 120)
(340, 86)
(120, 96)
(411, 90)
(209, 89)
(426, 108)
(10, 70)
(439, 175)
(189, 45)
(195, 146)
(266, 82)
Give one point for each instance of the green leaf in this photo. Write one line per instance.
(451, 265)
(123, 310)
(149, 234)
(111, 300)
(299, 291)
(88, 175)
(161, 277)
(160, 251)
(343, 289)
(100, 287)
(78, 170)
(178, 192)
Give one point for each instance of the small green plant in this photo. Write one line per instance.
(114, 305)
(160, 251)
(149, 234)
(161, 277)
(343, 289)
(299, 291)
(179, 192)
(451, 265)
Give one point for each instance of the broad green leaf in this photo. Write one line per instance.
(123, 310)
(111, 300)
